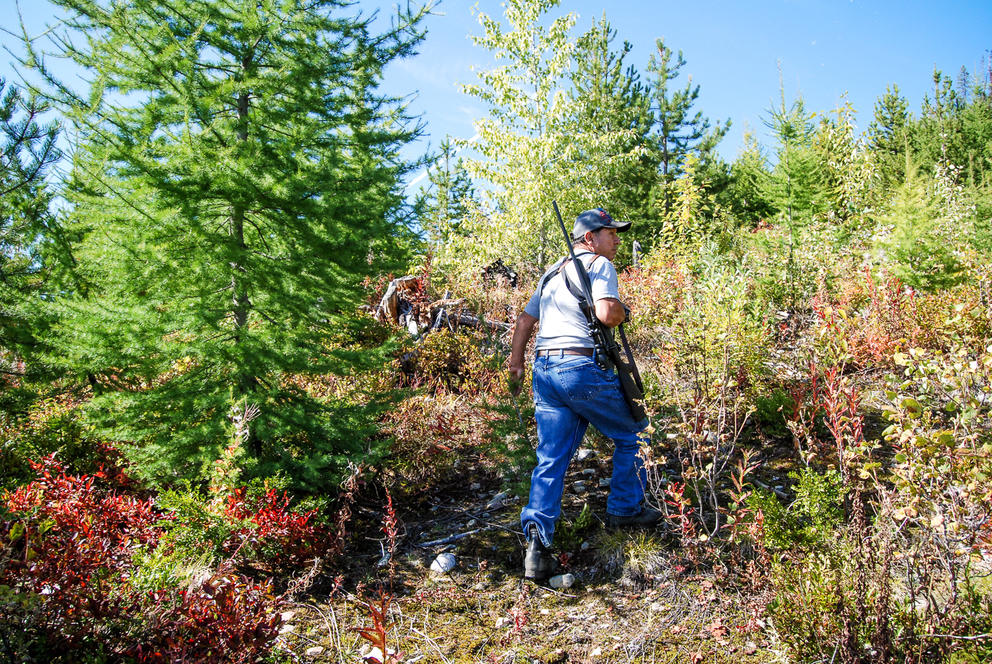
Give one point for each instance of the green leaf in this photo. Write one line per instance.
(912, 407)
(16, 531)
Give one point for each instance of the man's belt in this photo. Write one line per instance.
(549, 352)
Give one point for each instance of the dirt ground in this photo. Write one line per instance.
(637, 597)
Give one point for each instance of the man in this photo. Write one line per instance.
(571, 390)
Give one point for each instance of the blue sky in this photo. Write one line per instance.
(733, 49)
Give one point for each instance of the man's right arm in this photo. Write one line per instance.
(522, 332)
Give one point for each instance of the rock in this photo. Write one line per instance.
(585, 546)
(584, 454)
(562, 581)
(313, 652)
(502, 622)
(474, 486)
(444, 563)
(604, 483)
(374, 654)
(287, 629)
(579, 487)
(588, 471)
(286, 616)
(498, 500)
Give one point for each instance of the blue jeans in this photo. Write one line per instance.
(571, 392)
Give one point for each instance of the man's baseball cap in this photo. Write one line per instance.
(593, 220)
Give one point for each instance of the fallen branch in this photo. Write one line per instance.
(450, 539)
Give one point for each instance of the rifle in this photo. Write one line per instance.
(608, 353)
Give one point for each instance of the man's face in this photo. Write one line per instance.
(604, 242)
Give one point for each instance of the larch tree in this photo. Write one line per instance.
(236, 176)
(28, 152)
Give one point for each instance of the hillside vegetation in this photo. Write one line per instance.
(218, 445)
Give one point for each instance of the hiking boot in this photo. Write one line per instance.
(648, 516)
(539, 562)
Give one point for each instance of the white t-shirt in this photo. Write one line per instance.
(563, 325)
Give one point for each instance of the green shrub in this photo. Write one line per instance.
(811, 519)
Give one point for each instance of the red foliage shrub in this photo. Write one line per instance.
(655, 292)
(883, 318)
(74, 544)
(69, 550)
(227, 619)
(279, 535)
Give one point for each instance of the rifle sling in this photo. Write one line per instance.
(627, 372)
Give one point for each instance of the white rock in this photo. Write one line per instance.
(502, 622)
(579, 487)
(604, 482)
(286, 616)
(588, 471)
(371, 652)
(374, 654)
(444, 563)
(313, 652)
(584, 454)
(562, 581)
(596, 652)
(287, 629)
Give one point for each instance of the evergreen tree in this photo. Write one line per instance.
(447, 201)
(678, 131)
(976, 130)
(746, 196)
(613, 107)
(889, 136)
(27, 153)
(937, 136)
(794, 188)
(926, 234)
(237, 173)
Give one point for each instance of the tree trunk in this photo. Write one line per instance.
(246, 382)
